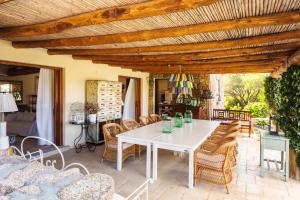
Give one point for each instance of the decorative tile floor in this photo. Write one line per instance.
(173, 172)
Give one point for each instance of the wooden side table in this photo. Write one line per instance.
(277, 143)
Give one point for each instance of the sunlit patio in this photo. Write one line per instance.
(150, 99)
(172, 182)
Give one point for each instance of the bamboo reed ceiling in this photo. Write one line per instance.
(19, 13)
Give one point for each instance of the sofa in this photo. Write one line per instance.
(22, 124)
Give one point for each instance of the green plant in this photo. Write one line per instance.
(258, 109)
(261, 122)
(288, 107)
(243, 89)
(271, 90)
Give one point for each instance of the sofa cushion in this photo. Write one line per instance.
(25, 116)
(11, 117)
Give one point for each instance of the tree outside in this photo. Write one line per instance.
(246, 92)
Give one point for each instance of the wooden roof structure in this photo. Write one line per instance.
(160, 36)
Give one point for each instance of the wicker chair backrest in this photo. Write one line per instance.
(155, 117)
(144, 120)
(130, 124)
(111, 130)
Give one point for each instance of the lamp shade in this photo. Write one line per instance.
(7, 103)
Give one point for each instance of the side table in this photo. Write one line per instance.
(277, 143)
(84, 129)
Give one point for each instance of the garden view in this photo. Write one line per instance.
(246, 92)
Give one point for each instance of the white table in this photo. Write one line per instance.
(185, 139)
(142, 136)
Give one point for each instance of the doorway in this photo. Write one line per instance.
(162, 94)
(125, 83)
(17, 67)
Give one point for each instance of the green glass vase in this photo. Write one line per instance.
(167, 125)
(188, 116)
(178, 120)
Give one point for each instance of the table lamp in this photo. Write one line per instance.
(7, 104)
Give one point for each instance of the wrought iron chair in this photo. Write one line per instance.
(111, 143)
(213, 162)
(130, 124)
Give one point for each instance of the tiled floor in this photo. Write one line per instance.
(173, 171)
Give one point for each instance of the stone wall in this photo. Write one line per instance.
(201, 81)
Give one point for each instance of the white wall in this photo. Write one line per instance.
(28, 84)
(75, 74)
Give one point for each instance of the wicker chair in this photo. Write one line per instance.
(217, 138)
(213, 162)
(155, 118)
(130, 124)
(144, 120)
(111, 143)
(226, 127)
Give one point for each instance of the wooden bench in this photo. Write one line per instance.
(226, 116)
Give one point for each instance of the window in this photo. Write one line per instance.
(14, 87)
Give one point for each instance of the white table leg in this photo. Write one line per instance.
(191, 169)
(119, 161)
(148, 162)
(154, 162)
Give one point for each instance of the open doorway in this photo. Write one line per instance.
(22, 81)
(136, 90)
(162, 94)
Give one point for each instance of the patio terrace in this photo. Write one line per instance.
(172, 176)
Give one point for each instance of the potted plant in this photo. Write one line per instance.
(92, 110)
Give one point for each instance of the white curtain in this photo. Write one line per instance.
(44, 107)
(129, 104)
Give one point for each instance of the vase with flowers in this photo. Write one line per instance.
(92, 110)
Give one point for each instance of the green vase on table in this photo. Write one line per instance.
(178, 120)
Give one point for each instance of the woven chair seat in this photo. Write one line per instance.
(114, 145)
(215, 176)
(212, 161)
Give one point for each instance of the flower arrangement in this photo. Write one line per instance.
(91, 108)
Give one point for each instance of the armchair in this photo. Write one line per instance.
(130, 124)
(213, 162)
(111, 143)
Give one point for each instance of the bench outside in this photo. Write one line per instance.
(226, 116)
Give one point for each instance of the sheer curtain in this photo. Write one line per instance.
(129, 104)
(44, 107)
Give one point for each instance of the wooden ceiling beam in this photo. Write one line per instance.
(17, 71)
(212, 45)
(105, 15)
(274, 19)
(4, 1)
(211, 70)
(194, 60)
(193, 63)
(184, 56)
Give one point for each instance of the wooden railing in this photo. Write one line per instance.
(230, 115)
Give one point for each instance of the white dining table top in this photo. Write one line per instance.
(189, 136)
(148, 132)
